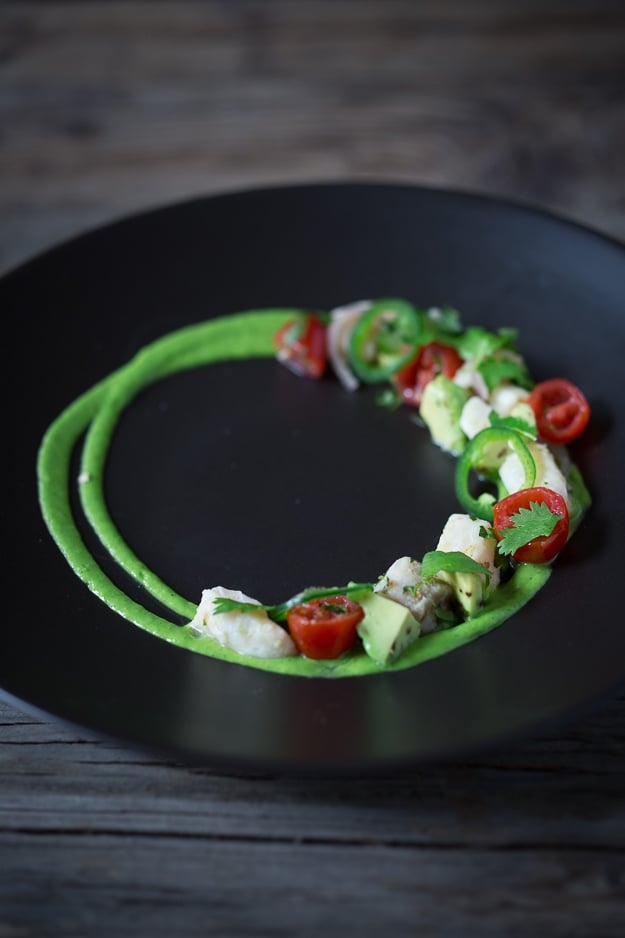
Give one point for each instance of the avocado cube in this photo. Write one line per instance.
(388, 628)
(468, 587)
(441, 410)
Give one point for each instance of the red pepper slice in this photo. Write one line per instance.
(301, 345)
(541, 549)
(561, 410)
(325, 628)
(431, 360)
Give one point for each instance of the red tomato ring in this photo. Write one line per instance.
(301, 345)
(325, 627)
(541, 549)
(561, 410)
(431, 360)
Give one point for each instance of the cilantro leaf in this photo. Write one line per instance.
(495, 370)
(508, 335)
(527, 524)
(389, 398)
(445, 319)
(323, 316)
(450, 561)
(513, 423)
(278, 613)
(224, 604)
(477, 344)
(293, 332)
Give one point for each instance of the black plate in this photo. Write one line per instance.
(316, 485)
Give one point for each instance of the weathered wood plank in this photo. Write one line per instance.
(109, 108)
(99, 885)
(564, 791)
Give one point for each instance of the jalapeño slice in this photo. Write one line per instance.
(483, 456)
(384, 339)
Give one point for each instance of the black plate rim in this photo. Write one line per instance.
(508, 204)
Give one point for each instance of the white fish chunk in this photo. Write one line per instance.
(548, 472)
(506, 397)
(466, 534)
(248, 632)
(470, 378)
(462, 533)
(403, 583)
(475, 416)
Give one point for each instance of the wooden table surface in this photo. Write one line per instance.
(107, 108)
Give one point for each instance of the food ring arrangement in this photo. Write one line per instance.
(520, 497)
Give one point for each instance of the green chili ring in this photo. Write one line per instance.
(384, 338)
(484, 455)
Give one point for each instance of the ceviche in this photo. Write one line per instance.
(518, 495)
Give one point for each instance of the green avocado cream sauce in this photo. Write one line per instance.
(94, 416)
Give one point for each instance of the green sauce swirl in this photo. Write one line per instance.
(96, 414)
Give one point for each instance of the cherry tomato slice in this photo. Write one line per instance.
(326, 627)
(541, 549)
(301, 345)
(561, 410)
(431, 360)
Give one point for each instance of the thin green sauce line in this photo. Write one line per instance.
(97, 412)
(188, 348)
(54, 484)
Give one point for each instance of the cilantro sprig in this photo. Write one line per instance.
(445, 320)
(527, 524)
(478, 344)
(439, 324)
(513, 423)
(279, 612)
(450, 561)
(494, 355)
(495, 370)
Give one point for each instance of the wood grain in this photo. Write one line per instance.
(109, 108)
(530, 839)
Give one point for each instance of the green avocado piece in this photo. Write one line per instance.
(468, 587)
(388, 628)
(441, 409)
